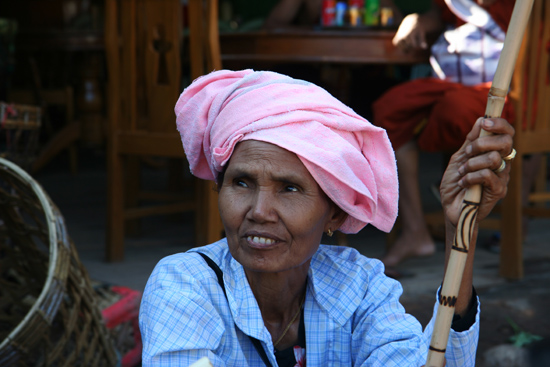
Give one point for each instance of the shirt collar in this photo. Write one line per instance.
(338, 285)
(331, 280)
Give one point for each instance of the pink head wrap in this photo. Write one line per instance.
(351, 159)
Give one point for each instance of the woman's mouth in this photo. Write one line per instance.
(258, 241)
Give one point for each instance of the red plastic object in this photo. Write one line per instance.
(124, 310)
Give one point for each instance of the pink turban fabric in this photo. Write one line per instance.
(351, 159)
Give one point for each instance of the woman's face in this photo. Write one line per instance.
(273, 211)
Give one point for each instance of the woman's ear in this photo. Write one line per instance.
(337, 218)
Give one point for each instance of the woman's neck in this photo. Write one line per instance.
(280, 297)
(278, 294)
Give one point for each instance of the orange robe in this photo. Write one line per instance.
(439, 114)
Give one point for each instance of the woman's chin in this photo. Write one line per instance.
(262, 260)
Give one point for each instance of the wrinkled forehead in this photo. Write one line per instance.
(256, 156)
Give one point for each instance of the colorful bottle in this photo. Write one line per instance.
(386, 17)
(341, 9)
(372, 12)
(329, 13)
(355, 13)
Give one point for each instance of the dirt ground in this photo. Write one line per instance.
(525, 302)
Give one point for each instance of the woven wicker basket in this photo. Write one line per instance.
(19, 133)
(48, 310)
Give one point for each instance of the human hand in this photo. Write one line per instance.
(411, 33)
(475, 163)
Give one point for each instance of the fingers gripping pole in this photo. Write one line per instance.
(472, 198)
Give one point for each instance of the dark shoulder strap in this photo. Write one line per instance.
(257, 344)
(216, 269)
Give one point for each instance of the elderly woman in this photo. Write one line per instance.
(291, 163)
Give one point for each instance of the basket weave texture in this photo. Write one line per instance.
(19, 133)
(49, 314)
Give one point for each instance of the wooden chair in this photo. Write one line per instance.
(205, 56)
(204, 37)
(531, 96)
(142, 41)
(67, 137)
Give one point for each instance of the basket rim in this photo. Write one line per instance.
(51, 223)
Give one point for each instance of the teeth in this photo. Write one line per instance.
(261, 240)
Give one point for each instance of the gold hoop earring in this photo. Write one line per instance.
(329, 232)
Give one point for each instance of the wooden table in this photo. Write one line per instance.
(346, 46)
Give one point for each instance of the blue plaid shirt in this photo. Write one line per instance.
(352, 315)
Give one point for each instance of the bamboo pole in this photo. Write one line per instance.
(472, 198)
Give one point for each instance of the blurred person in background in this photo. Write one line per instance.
(435, 113)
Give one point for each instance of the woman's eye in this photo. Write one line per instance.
(291, 188)
(240, 183)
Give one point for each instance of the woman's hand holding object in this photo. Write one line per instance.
(479, 161)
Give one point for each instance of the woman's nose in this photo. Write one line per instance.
(263, 207)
